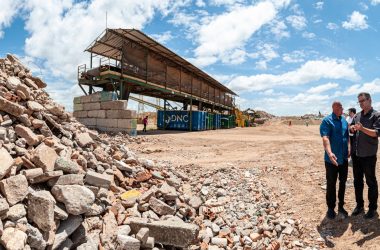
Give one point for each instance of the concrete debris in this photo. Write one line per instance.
(80, 189)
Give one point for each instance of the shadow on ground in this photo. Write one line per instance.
(330, 229)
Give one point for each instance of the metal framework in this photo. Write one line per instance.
(132, 62)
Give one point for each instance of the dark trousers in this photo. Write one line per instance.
(144, 129)
(365, 166)
(332, 173)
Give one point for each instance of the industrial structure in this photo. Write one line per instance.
(128, 61)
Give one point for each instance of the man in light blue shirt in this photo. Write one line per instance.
(335, 137)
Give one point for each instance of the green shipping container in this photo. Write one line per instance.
(210, 121)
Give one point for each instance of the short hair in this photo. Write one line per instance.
(365, 94)
(353, 110)
(336, 103)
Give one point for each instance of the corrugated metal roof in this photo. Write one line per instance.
(109, 44)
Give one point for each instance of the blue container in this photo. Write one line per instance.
(217, 121)
(180, 120)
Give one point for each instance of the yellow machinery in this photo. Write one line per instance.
(242, 118)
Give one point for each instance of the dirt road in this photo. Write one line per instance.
(291, 160)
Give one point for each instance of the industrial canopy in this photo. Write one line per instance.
(110, 44)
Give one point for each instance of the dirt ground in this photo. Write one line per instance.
(291, 160)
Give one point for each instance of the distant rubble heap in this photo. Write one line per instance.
(64, 186)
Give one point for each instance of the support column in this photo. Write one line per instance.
(191, 115)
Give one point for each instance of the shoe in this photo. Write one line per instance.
(331, 213)
(357, 211)
(370, 214)
(343, 211)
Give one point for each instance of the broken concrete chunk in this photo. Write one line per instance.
(166, 232)
(128, 242)
(98, 180)
(84, 139)
(14, 239)
(45, 157)
(35, 106)
(26, 133)
(160, 207)
(66, 228)
(66, 165)
(41, 210)
(143, 234)
(6, 162)
(14, 188)
(77, 199)
(4, 206)
(16, 212)
(46, 176)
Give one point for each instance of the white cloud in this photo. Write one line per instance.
(375, 2)
(163, 38)
(8, 11)
(319, 5)
(296, 56)
(200, 3)
(225, 2)
(220, 36)
(372, 87)
(322, 88)
(309, 72)
(267, 53)
(296, 21)
(332, 26)
(317, 21)
(59, 31)
(279, 29)
(308, 35)
(357, 21)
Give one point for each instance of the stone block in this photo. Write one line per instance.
(11, 107)
(77, 100)
(85, 99)
(176, 234)
(127, 242)
(26, 133)
(46, 176)
(127, 123)
(78, 106)
(121, 114)
(160, 207)
(97, 114)
(67, 166)
(14, 188)
(32, 173)
(95, 97)
(68, 179)
(6, 162)
(13, 238)
(41, 210)
(84, 139)
(113, 105)
(44, 157)
(77, 199)
(98, 180)
(80, 114)
(91, 106)
(66, 228)
(107, 123)
(87, 121)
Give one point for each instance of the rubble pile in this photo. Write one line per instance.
(64, 187)
(235, 211)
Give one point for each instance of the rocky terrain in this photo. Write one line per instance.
(64, 186)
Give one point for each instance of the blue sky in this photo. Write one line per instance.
(286, 57)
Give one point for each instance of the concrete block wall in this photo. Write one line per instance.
(101, 111)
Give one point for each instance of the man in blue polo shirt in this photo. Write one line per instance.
(335, 137)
